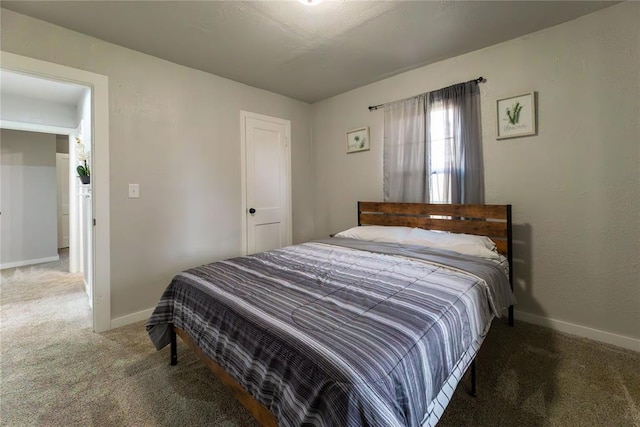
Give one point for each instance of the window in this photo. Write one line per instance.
(432, 147)
(441, 132)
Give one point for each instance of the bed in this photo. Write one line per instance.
(347, 330)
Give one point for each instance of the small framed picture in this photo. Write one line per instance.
(358, 140)
(516, 116)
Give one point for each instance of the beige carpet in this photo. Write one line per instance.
(56, 372)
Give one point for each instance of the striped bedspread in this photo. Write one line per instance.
(331, 333)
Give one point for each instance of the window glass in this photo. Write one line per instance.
(441, 131)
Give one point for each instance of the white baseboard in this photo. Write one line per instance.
(28, 262)
(131, 318)
(87, 290)
(582, 331)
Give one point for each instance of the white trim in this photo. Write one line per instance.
(75, 251)
(131, 318)
(33, 127)
(243, 174)
(29, 262)
(87, 290)
(101, 277)
(582, 331)
(243, 180)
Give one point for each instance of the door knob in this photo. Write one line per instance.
(252, 211)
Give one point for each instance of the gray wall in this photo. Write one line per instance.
(62, 144)
(176, 132)
(29, 222)
(575, 187)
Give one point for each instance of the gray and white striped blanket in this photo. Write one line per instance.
(330, 335)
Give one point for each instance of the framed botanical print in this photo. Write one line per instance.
(358, 140)
(516, 116)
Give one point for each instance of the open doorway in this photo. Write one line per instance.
(91, 130)
(46, 208)
(28, 223)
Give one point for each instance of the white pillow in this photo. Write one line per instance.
(467, 244)
(377, 233)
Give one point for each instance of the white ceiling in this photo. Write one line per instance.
(306, 53)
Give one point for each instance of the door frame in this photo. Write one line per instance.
(243, 173)
(99, 86)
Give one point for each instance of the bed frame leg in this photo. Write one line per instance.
(511, 320)
(174, 348)
(473, 379)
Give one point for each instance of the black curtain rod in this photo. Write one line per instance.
(375, 107)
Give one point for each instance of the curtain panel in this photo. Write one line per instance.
(435, 134)
(405, 152)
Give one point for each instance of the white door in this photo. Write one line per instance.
(62, 171)
(266, 167)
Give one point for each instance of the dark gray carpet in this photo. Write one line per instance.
(56, 372)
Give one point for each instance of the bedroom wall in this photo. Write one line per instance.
(29, 221)
(176, 132)
(575, 187)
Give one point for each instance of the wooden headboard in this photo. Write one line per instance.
(493, 221)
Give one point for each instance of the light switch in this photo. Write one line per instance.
(134, 191)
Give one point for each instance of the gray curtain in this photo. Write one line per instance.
(405, 156)
(434, 140)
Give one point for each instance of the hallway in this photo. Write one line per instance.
(43, 296)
